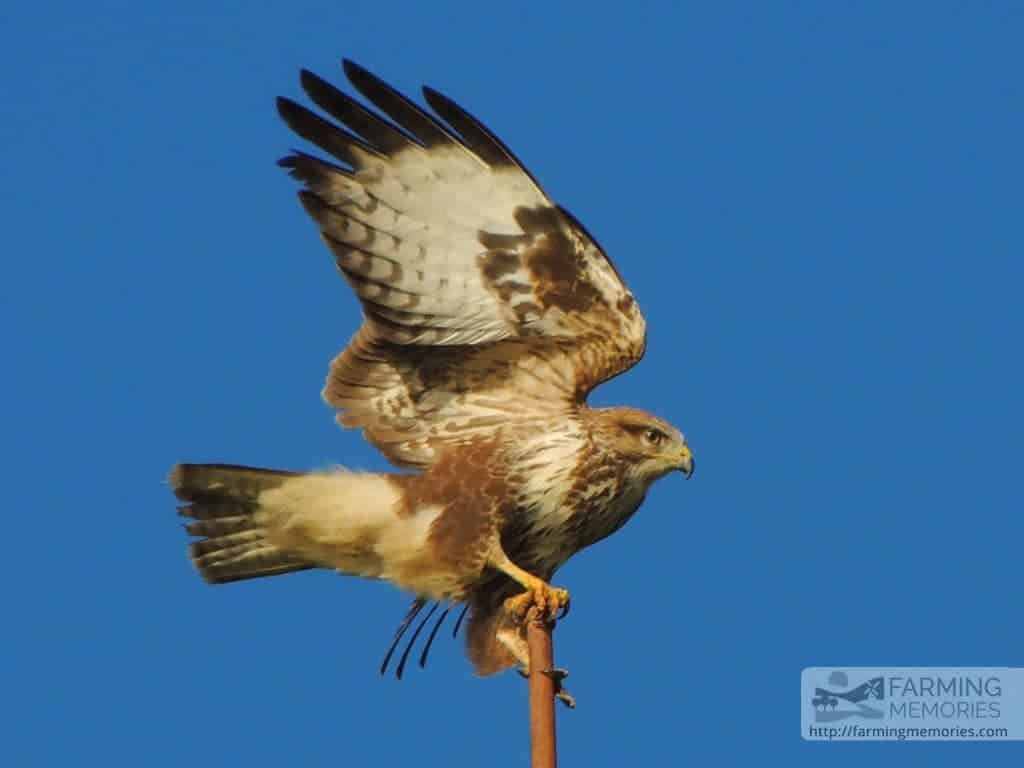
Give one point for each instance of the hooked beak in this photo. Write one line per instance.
(686, 463)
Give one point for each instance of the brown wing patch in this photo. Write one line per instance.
(498, 264)
(539, 220)
(557, 266)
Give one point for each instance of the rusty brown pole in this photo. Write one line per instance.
(542, 691)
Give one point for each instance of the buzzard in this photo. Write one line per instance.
(489, 314)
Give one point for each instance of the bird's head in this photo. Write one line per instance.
(652, 446)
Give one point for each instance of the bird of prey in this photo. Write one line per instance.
(489, 314)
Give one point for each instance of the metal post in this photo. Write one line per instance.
(542, 691)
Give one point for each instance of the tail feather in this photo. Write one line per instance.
(221, 526)
(224, 481)
(225, 509)
(221, 548)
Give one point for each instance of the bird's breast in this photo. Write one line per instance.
(552, 526)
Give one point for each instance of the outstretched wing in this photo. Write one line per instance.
(484, 302)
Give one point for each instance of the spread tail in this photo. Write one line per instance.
(223, 502)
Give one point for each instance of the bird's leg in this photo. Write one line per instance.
(551, 601)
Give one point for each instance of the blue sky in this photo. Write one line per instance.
(818, 206)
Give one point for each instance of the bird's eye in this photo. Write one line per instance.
(654, 437)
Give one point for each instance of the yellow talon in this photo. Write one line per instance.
(552, 602)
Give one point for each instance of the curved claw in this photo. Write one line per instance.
(557, 603)
(564, 611)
